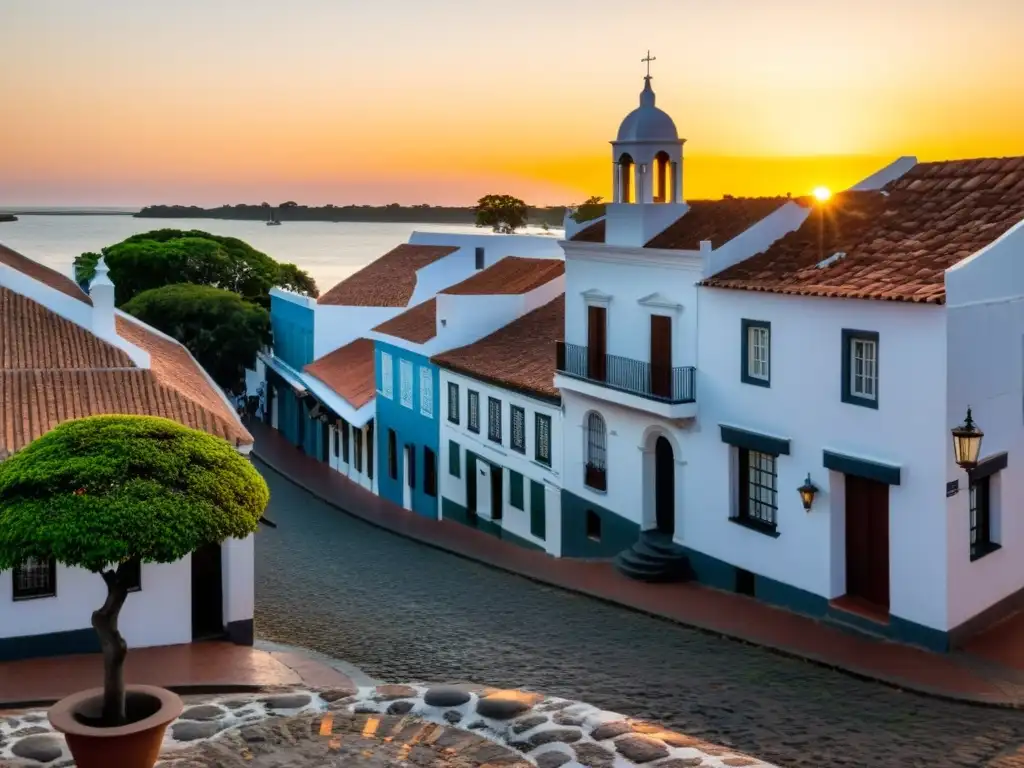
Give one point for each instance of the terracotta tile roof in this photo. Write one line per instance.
(716, 220)
(521, 355)
(349, 371)
(510, 275)
(418, 325)
(52, 370)
(34, 338)
(591, 234)
(43, 274)
(387, 282)
(897, 243)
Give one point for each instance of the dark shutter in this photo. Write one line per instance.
(661, 356)
(596, 342)
(538, 512)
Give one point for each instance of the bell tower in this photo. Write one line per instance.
(647, 180)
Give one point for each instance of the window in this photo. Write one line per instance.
(479, 257)
(595, 472)
(387, 376)
(454, 455)
(593, 525)
(453, 402)
(542, 437)
(474, 410)
(429, 472)
(392, 454)
(757, 492)
(405, 383)
(357, 436)
(981, 519)
(538, 510)
(756, 347)
(426, 392)
(860, 368)
(494, 419)
(515, 490)
(131, 572)
(518, 418)
(344, 441)
(35, 578)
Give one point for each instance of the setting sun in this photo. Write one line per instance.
(822, 193)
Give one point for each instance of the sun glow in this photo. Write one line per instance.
(822, 194)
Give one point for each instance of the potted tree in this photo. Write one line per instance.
(103, 494)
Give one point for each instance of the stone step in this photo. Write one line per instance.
(642, 564)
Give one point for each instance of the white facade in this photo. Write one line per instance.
(362, 439)
(515, 521)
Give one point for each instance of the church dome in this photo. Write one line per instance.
(647, 122)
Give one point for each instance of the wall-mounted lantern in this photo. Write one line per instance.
(967, 443)
(807, 492)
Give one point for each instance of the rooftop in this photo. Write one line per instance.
(387, 282)
(52, 370)
(349, 371)
(508, 276)
(520, 356)
(43, 274)
(894, 244)
(418, 324)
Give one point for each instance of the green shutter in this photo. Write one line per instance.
(454, 453)
(538, 513)
(515, 490)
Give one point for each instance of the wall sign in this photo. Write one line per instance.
(952, 488)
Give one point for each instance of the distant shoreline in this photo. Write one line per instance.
(416, 214)
(7, 217)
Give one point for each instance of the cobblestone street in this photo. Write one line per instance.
(403, 611)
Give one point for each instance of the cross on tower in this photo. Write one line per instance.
(648, 59)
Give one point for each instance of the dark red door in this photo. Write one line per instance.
(596, 342)
(661, 356)
(867, 541)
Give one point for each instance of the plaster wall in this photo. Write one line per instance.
(985, 354)
(515, 521)
(238, 559)
(803, 404)
(334, 326)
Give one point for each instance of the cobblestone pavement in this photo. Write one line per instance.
(403, 611)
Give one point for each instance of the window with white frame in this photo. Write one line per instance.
(453, 402)
(494, 419)
(860, 368)
(517, 416)
(542, 437)
(595, 471)
(405, 383)
(387, 376)
(758, 352)
(426, 392)
(473, 407)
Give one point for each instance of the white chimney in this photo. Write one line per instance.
(101, 291)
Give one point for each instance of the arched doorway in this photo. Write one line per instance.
(664, 486)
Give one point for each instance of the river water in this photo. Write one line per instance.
(329, 251)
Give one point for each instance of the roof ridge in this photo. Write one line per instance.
(42, 273)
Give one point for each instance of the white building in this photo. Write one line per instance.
(500, 436)
(66, 355)
(856, 334)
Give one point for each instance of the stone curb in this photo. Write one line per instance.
(983, 700)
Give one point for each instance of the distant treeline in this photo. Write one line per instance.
(290, 211)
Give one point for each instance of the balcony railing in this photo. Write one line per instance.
(653, 381)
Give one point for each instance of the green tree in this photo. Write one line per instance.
(502, 213)
(105, 492)
(589, 209)
(221, 330)
(168, 256)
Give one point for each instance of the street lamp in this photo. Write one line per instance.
(967, 443)
(807, 491)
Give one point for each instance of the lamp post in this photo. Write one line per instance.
(807, 492)
(967, 443)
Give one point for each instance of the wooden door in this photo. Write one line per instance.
(207, 593)
(867, 541)
(661, 356)
(497, 491)
(471, 487)
(597, 340)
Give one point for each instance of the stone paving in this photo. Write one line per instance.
(508, 727)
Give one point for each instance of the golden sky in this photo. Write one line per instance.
(120, 102)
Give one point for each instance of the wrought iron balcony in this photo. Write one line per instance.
(652, 381)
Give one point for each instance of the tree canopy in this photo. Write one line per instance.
(502, 213)
(167, 256)
(590, 209)
(221, 330)
(95, 492)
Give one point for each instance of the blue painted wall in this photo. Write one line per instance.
(410, 426)
(292, 326)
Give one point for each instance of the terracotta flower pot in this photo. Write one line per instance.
(134, 745)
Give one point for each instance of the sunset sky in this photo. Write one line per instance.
(129, 102)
